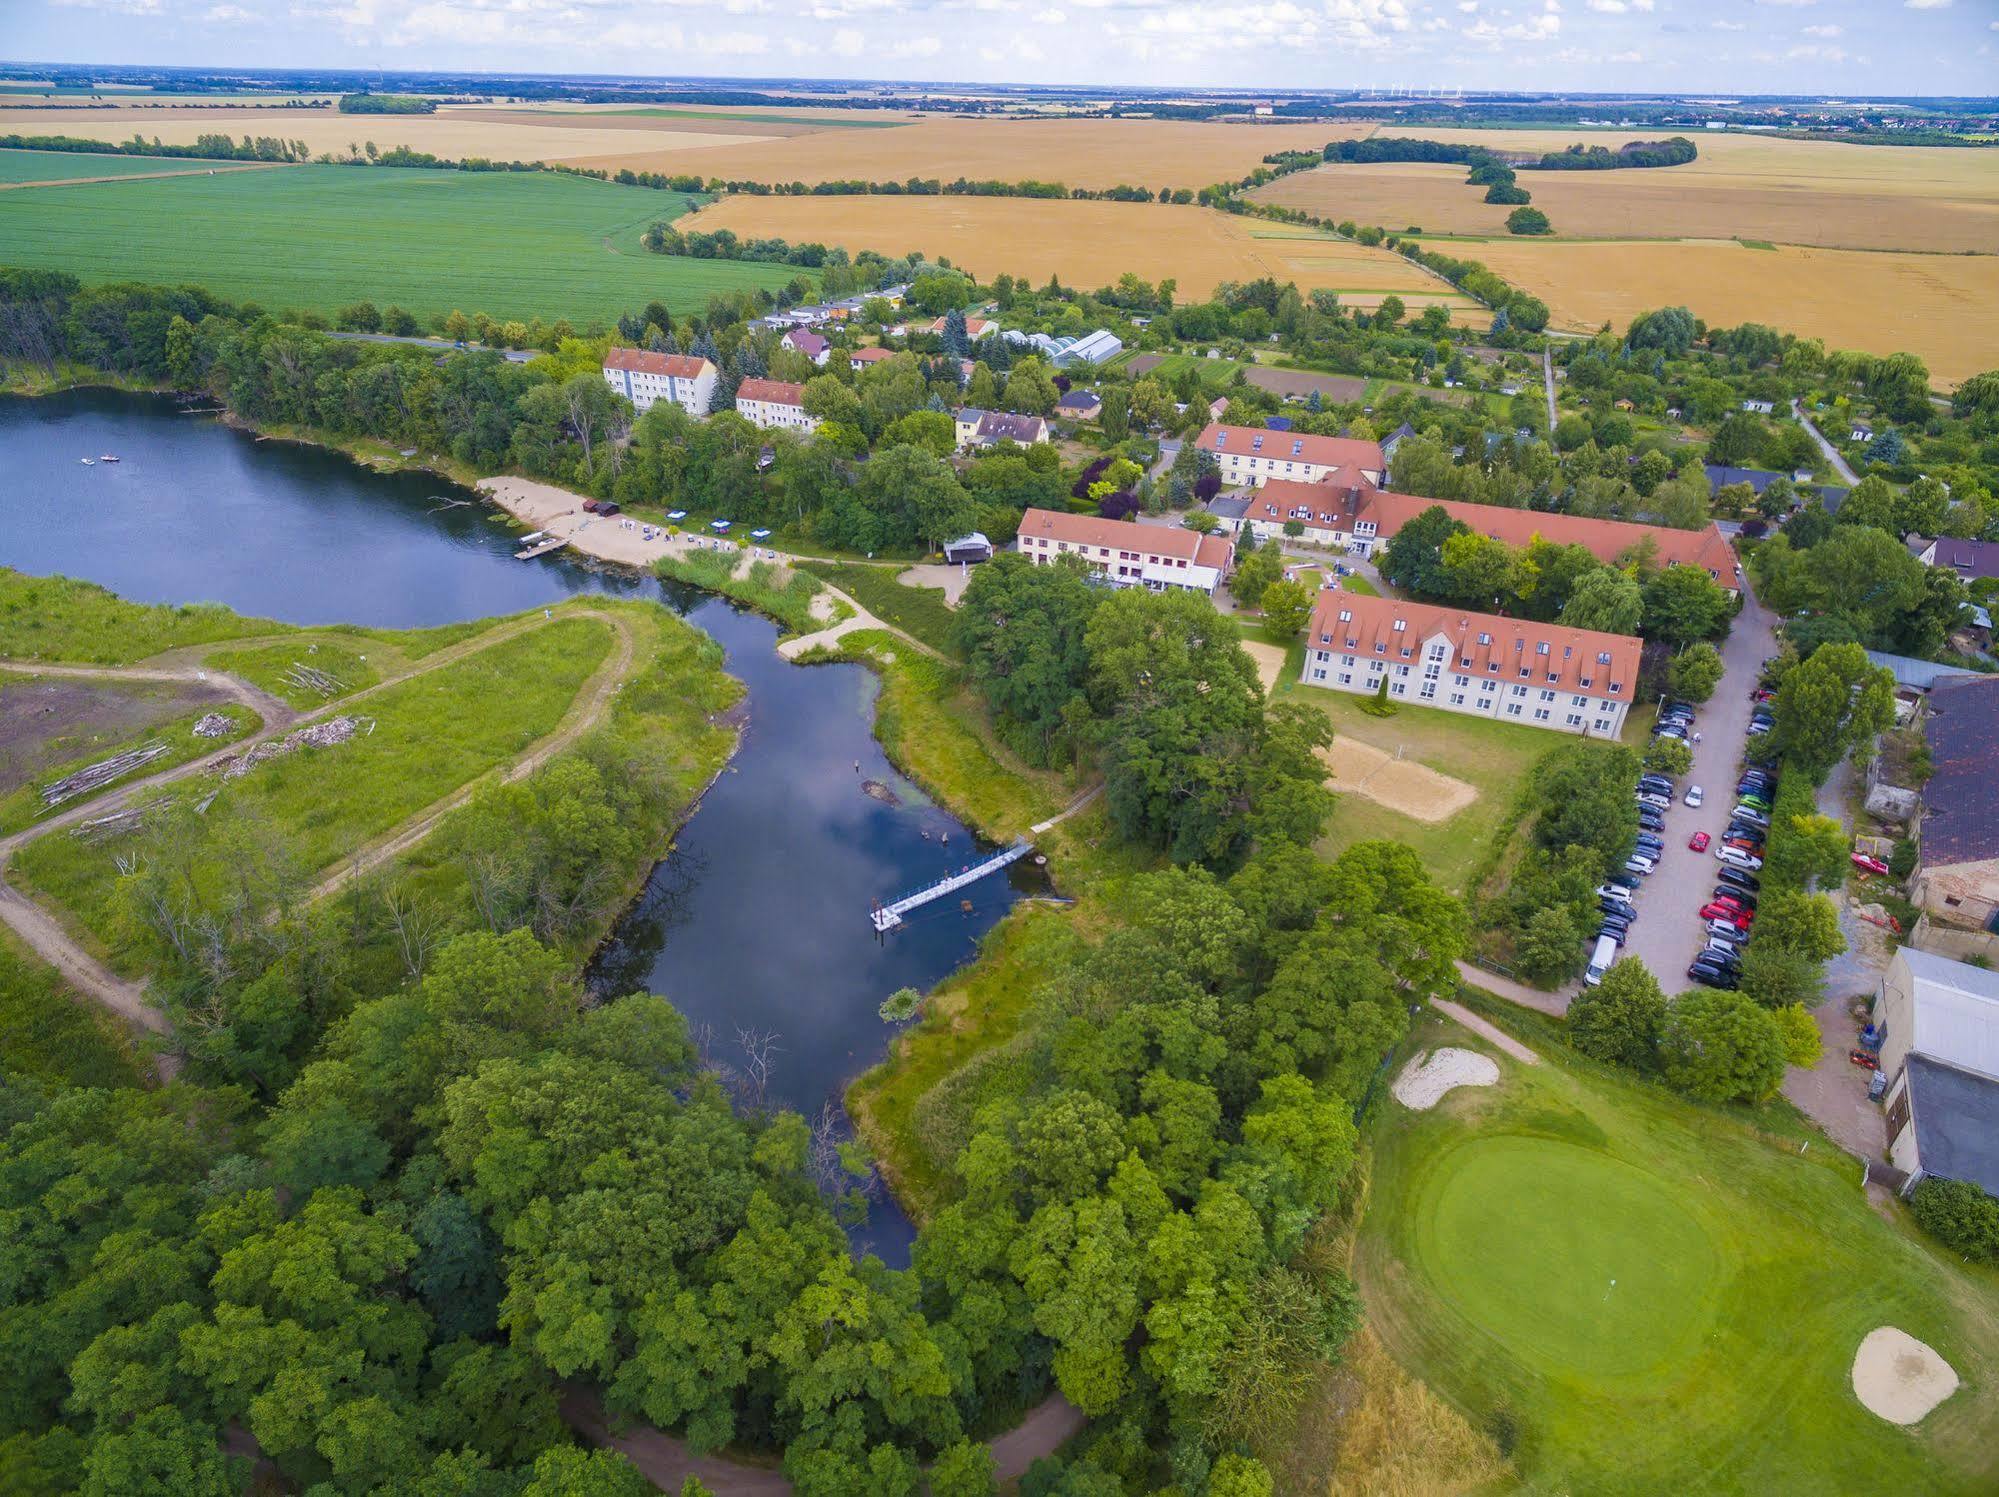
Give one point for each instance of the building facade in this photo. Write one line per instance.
(1128, 555)
(774, 405)
(976, 428)
(646, 378)
(1250, 455)
(1543, 675)
(1939, 1023)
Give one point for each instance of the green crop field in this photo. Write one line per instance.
(1640, 1295)
(515, 245)
(70, 166)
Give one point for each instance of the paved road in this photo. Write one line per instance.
(1668, 932)
(1548, 384)
(1839, 464)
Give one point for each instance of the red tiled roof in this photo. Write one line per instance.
(645, 361)
(1123, 535)
(1606, 540)
(1479, 641)
(872, 355)
(776, 391)
(1293, 446)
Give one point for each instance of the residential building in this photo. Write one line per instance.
(1394, 440)
(1860, 433)
(1971, 560)
(1957, 865)
(1080, 405)
(774, 404)
(646, 378)
(1759, 407)
(1542, 675)
(1128, 555)
(1253, 455)
(975, 328)
(812, 345)
(1940, 1052)
(867, 358)
(983, 428)
(1346, 512)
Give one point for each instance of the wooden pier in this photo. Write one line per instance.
(885, 917)
(541, 548)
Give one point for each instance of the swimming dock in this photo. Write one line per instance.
(886, 917)
(541, 548)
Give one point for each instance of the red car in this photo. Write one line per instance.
(1868, 864)
(1730, 902)
(1699, 841)
(1740, 918)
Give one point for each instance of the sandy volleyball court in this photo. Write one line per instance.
(1400, 784)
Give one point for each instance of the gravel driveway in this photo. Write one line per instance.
(1668, 931)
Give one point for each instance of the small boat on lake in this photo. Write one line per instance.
(88, 462)
(109, 457)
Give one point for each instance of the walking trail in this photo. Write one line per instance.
(1484, 1030)
(1832, 455)
(1556, 1003)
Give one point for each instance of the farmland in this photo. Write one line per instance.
(1942, 307)
(1656, 1298)
(1084, 243)
(540, 245)
(1786, 191)
(17, 167)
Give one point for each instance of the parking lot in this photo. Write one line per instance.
(1668, 932)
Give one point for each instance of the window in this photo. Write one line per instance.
(1526, 671)
(1400, 625)
(1603, 725)
(1540, 714)
(1485, 704)
(1584, 681)
(1547, 696)
(1488, 687)
(1399, 689)
(1401, 670)
(1429, 691)
(1512, 709)
(1603, 657)
(1345, 679)
(1541, 648)
(1485, 639)
(1380, 647)
(1431, 672)
(1346, 615)
(1575, 719)
(1318, 675)
(1437, 652)
(1520, 691)
(1346, 659)
(1460, 680)
(1578, 701)
(1616, 688)
(1457, 699)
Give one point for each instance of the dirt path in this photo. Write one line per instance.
(1548, 384)
(1067, 811)
(272, 709)
(1832, 455)
(1485, 1030)
(666, 1462)
(584, 714)
(1556, 1003)
(46, 937)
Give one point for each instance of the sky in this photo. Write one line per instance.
(1678, 46)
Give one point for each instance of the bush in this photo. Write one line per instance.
(1960, 1216)
(1528, 221)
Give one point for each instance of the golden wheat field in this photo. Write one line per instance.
(1742, 187)
(1943, 307)
(1086, 244)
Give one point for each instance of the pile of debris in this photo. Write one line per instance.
(117, 824)
(96, 776)
(332, 732)
(309, 678)
(215, 725)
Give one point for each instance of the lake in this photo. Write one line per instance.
(755, 924)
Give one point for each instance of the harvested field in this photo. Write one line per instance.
(1818, 192)
(1085, 243)
(450, 134)
(1402, 785)
(1080, 153)
(1942, 307)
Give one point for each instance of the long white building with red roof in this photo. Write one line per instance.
(1542, 675)
(1252, 455)
(774, 404)
(646, 378)
(1128, 555)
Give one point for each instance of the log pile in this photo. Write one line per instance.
(215, 725)
(96, 776)
(311, 678)
(328, 734)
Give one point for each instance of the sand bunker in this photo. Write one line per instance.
(1399, 784)
(1426, 1080)
(1899, 1378)
(1269, 661)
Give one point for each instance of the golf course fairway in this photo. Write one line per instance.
(1748, 1266)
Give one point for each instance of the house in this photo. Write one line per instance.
(1957, 865)
(646, 378)
(1720, 476)
(1861, 433)
(1128, 555)
(1252, 455)
(774, 404)
(1940, 1052)
(867, 358)
(975, 328)
(969, 548)
(1543, 675)
(983, 428)
(1346, 512)
(1396, 438)
(1759, 407)
(1080, 405)
(1971, 560)
(811, 345)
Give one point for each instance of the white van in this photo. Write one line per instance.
(1599, 962)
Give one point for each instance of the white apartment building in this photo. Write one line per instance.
(1252, 455)
(645, 378)
(1543, 675)
(774, 405)
(1128, 555)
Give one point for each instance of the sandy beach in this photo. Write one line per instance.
(616, 538)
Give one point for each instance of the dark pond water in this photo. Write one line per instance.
(755, 925)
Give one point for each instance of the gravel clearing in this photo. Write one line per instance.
(1899, 1378)
(1426, 1080)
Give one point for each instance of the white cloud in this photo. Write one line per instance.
(1794, 3)
(1619, 7)
(1816, 53)
(848, 42)
(123, 7)
(1927, 4)
(1049, 17)
(1825, 31)
(230, 15)
(1728, 26)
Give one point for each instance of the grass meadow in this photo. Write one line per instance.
(1639, 1295)
(51, 1035)
(71, 166)
(514, 245)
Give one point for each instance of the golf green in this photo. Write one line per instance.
(1572, 1260)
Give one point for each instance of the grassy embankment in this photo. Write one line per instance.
(59, 618)
(49, 1034)
(354, 657)
(570, 246)
(917, 611)
(432, 734)
(765, 586)
(1641, 1295)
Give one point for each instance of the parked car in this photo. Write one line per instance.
(1639, 863)
(1737, 878)
(1657, 783)
(1650, 820)
(1616, 889)
(1699, 841)
(1615, 929)
(1726, 950)
(1695, 795)
(1651, 842)
(1869, 864)
(1751, 815)
(1655, 800)
(1720, 927)
(1711, 976)
(1729, 891)
(1735, 857)
(1743, 833)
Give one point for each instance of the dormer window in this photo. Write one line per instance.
(1603, 657)
(1346, 615)
(1541, 648)
(1297, 448)
(1553, 676)
(1485, 639)
(1256, 443)
(1400, 625)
